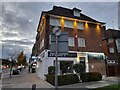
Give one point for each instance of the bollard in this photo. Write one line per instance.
(34, 87)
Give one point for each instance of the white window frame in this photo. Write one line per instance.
(68, 23)
(50, 39)
(110, 40)
(55, 21)
(80, 25)
(71, 41)
(118, 45)
(42, 44)
(111, 50)
(81, 42)
(76, 13)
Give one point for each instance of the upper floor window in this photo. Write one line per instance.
(110, 40)
(42, 43)
(68, 23)
(71, 41)
(118, 45)
(54, 21)
(111, 50)
(80, 26)
(50, 39)
(76, 13)
(81, 42)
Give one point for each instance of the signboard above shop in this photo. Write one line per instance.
(70, 55)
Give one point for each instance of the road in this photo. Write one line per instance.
(5, 72)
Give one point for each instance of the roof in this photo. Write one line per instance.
(61, 11)
(112, 33)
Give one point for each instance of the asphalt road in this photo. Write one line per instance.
(5, 73)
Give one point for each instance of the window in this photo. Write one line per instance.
(71, 41)
(50, 39)
(110, 40)
(118, 45)
(68, 23)
(76, 13)
(80, 26)
(95, 56)
(54, 21)
(111, 50)
(41, 27)
(42, 43)
(81, 42)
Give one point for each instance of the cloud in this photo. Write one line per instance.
(119, 14)
(19, 21)
(61, 0)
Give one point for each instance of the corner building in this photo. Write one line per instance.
(85, 43)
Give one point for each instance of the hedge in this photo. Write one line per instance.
(63, 79)
(91, 76)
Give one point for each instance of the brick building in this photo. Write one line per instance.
(84, 40)
(112, 38)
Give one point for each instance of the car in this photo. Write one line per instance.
(15, 72)
(33, 68)
(19, 68)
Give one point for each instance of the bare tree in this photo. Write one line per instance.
(13, 54)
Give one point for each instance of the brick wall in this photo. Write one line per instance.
(97, 66)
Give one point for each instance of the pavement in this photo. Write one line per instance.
(28, 80)
(24, 80)
(96, 84)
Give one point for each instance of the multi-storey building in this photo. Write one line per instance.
(84, 40)
(113, 52)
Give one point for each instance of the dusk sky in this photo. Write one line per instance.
(19, 21)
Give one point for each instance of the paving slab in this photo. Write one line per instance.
(24, 80)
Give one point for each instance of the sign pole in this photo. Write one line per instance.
(56, 64)
(57, 33)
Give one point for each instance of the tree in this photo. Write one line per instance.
(79, 68)
(12, 53)
(24, 60)
(21, 59)
(51, 70)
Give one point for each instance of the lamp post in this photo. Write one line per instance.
(57, 33)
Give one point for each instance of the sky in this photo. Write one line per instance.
(19, 21)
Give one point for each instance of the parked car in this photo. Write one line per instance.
(15, 72)
(19, 68)
(33, 68)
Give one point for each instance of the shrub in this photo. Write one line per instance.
(91, 76)
(51, 70)
(79, 68)
(63, 79)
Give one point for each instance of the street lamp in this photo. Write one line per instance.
(57, 33)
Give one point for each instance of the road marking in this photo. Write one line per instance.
(5, 73)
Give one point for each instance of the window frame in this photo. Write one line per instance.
(111, 50)
(55, 21)
(68, 23)
(69, 41)
(81, 43)
(80, 26)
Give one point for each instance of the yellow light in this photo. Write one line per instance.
(98, 27)
(75, 28)
(43, 17)
(75, 24)
(86, 26)
(62, 23)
